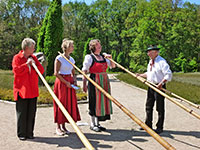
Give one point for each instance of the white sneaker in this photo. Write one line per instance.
(95, 128)
(59, 132)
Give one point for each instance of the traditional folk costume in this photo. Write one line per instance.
(157, 70)
(67, 96)
(100, 106)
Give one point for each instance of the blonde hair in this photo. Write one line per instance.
(66, 44)
(27, 42)
(92, 44)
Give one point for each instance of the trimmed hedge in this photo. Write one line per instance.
(6, 89)
(6, 94)
(44, 95)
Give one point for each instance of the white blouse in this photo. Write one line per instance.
(160, 70)
(88, 62)
(66, 67)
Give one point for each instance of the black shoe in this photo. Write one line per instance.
(95, 128)
(22, 138)
(30, 137)
(101, 128)
(158, 130)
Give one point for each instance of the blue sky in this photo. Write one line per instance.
(88, 2)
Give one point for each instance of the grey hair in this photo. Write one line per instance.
(27, 42)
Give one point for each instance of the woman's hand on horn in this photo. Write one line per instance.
(85, 88)
(107, 55)
(68, 85)
(30, 61)
(137, 74)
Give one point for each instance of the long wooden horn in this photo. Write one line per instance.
(64, 111)
(177, 96)
(125, 110)
(157, 90)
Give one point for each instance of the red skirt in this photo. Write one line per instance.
(67, 97)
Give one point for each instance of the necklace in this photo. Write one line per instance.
(98, 57)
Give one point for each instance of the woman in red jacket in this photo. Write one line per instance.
(26, 88)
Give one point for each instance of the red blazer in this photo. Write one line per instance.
(25, 81)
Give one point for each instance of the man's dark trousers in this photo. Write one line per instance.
(153, 96)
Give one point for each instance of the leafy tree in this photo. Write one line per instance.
(118, 15)
(18, 19)
(100, 20)
(125, 28)
(181, 62)
(193, 65)
(77, 27)
(86, 47)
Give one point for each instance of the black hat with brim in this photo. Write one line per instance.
(153, 48)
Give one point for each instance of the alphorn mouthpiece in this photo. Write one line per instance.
(104, 54)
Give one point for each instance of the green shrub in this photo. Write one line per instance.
(6, 94)
(50, 80)
(44, 96)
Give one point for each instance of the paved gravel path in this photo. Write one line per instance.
(181, 130)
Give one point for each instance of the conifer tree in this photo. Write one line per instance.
(41, 35)
(50, 36)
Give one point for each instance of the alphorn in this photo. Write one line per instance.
(157, 90)
(64, 111)
(181, 98)
(125, 110)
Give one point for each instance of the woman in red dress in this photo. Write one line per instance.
(65, 76)
(99, 105)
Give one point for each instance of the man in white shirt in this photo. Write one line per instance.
(158, 72)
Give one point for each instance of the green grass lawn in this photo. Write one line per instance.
(6, 89)
(186, 85)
